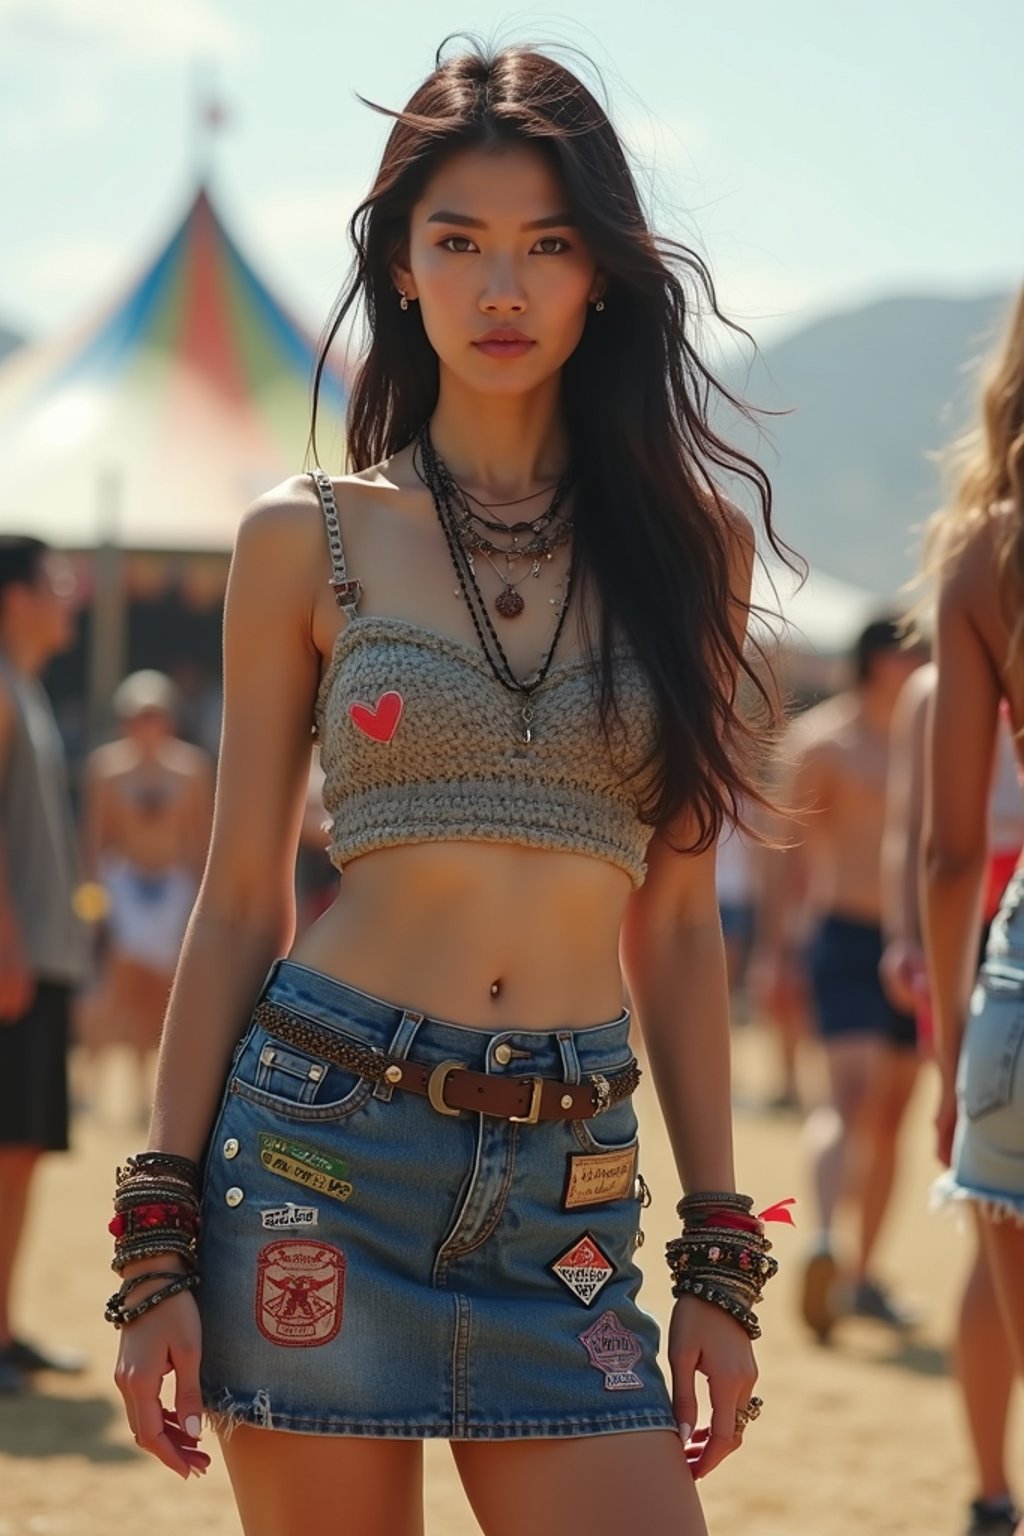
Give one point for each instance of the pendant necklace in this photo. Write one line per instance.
(494, 653)
(543, 534)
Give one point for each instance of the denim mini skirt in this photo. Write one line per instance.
(987, 1166)
(370, 1266)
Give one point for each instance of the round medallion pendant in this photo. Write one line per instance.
(509, 604)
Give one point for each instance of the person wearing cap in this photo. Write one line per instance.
(147, 810)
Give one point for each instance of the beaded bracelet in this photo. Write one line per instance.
(728, 1199)
(139, 1162)
(168, 1183)
(117, 1313)
(688, 1286)
(748, 1261)
(143, 1216)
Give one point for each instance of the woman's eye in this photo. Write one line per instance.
(553, 240)
(446, 243)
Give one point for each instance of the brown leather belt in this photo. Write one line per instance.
(450, 1086)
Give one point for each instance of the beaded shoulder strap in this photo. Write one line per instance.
(346, 592)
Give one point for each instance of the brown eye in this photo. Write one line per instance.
(554, 240)
(446, 244)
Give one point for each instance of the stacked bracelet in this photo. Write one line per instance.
(721, 1255)
(156, 1209)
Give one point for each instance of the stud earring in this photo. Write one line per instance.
(405, 302)
(599, 305)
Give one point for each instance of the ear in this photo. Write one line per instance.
(598, 288)
(402, 277)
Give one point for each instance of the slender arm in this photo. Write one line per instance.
(961, 750)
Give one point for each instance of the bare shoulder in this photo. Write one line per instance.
(971, 573)
(740, 540)
(288, 514)
(819, 732)
(738, 526)
(190, 761)
(291, 514)
(108, 761)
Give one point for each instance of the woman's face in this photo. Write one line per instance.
(492, 247)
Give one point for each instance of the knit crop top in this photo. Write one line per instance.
(419, 742)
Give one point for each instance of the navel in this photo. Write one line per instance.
(495, 987)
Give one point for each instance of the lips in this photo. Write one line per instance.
(505, 333)
(504, 343)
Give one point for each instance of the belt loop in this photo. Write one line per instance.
(402, 1039)
(570, 1060)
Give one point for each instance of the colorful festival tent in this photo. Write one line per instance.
(152, 426)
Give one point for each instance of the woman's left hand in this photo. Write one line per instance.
(703, 1337)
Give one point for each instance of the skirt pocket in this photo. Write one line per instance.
(297, 1084)
(990, 1061)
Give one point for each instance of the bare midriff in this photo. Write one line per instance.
(482, 934)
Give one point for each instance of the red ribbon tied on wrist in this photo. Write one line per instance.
(736, 1221)
(780, 1212)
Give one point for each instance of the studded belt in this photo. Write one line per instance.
(450, 1086)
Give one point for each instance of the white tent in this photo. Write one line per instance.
(822, 617)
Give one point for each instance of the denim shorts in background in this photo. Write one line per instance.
(372, 1267)
(987, 1166)
(844, 956)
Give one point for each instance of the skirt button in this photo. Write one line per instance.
(231, 1147)
(234, 1196)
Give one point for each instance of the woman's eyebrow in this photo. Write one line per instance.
(550, 221)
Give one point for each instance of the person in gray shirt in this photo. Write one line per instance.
(43, 944)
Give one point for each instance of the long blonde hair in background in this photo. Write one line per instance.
(985, 471)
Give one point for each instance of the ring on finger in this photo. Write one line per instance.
(747, 1415)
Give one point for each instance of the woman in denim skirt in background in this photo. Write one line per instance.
(392, 1187)
(977, 550)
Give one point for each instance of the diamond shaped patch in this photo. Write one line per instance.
(584, 1268)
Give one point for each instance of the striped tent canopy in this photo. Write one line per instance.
(154, 425)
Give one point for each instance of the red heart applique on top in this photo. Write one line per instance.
(378, 721)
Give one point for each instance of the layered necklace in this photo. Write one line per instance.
(467, 533)
(533, 539)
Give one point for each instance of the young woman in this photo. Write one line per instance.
(978, 549)
(517, 630)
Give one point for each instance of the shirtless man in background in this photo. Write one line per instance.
(821, 908)
(147, 813)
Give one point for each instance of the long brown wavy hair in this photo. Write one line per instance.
(985, 472)
(651, 525)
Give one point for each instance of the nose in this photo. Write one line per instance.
(503, 293)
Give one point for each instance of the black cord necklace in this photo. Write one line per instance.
(494, 652)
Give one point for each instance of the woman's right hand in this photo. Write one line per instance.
(164, 1340)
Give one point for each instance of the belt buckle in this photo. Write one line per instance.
(435, 1086)
(533, 1114)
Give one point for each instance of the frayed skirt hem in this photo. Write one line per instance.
(225, 1414)
(949, 1194)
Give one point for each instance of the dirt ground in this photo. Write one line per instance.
(864, 1436)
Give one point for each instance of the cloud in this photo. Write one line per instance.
(118, 32)
(301, 233)
(63, 280)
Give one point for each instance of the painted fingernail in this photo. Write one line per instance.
(193, 1426)
(685, 1431)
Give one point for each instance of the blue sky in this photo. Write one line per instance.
(818, 153)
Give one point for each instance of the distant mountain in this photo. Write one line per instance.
(872, 392)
